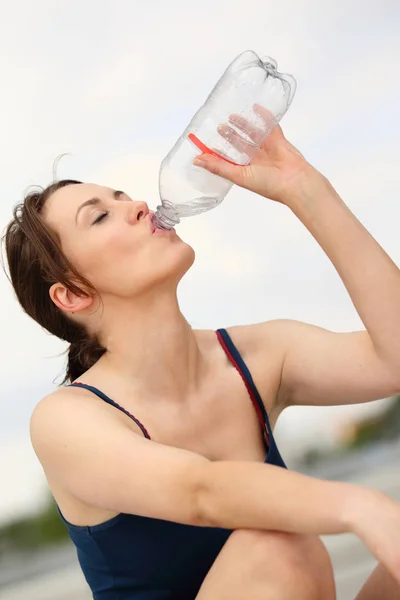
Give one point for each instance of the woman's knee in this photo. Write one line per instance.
(294, 562)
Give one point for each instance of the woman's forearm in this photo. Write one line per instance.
(370, 276)
(237, 495)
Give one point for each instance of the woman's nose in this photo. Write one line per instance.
(137, 211)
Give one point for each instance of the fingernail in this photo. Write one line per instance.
(199, 163)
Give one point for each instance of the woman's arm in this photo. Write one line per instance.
(368, 359)
(97, 458)
(322, 367)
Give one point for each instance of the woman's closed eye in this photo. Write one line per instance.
(100, 218)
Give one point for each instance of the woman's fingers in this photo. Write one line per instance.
(236, 140)
(218, 166)
(257, 135)
(266, 115)
(254, 133)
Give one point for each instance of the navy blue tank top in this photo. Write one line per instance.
(130, 557)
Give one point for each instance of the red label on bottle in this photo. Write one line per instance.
(206, 150)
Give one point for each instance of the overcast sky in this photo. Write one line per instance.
(114, 83)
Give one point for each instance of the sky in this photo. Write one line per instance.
(114, 84)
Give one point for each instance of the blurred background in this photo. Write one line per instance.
(113, 84)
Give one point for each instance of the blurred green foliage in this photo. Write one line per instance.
(29, 533)
(385, 426)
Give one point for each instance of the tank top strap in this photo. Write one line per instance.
(236, 359)
(107, 399)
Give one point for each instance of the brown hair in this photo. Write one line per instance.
(36, 261)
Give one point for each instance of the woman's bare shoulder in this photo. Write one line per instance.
(68, 407)
(59, 400)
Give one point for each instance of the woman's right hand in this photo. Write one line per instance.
(277, 171)
(377, 524)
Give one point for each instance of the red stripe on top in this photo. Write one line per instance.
(248, 387)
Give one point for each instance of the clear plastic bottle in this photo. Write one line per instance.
(188, 190)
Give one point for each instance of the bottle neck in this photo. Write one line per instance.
(166, 216)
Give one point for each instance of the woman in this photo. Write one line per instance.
(154, 454)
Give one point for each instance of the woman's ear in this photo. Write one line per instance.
(67, 301)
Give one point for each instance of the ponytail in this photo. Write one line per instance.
(82, 355)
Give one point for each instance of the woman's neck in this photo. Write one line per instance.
(151, 345)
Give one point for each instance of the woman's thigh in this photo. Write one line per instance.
(264, 565)
(380, 586)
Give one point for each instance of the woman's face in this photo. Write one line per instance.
(110, 240)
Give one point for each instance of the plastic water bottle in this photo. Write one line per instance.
(188, 190)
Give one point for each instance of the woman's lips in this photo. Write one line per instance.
(150, 222)
(154, 229)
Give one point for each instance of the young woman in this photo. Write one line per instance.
(161, 454)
